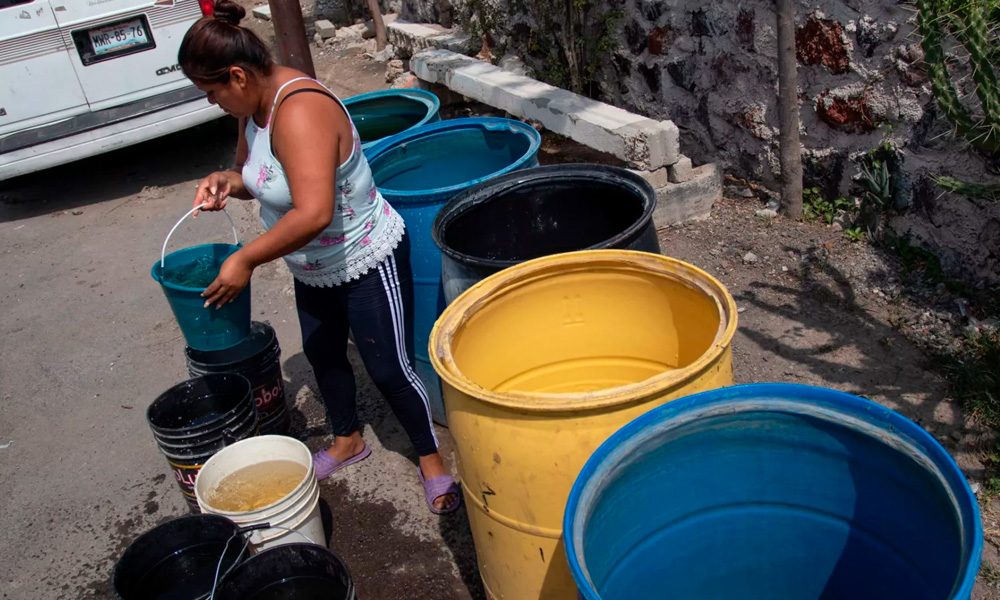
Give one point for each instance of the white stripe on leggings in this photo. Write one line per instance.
(412, 375)
(390, 281)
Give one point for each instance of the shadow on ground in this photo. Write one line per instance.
(824, 330)
(158, 163)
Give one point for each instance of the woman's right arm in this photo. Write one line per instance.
(217, 187)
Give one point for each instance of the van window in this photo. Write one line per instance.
(9, 3)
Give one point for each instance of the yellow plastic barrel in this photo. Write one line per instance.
(540, 364)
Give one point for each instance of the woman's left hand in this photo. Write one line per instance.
(233, 277)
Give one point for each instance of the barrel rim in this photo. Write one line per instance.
(467, 304)
(425, 97)
(610, 453)
(489, 123)
(462, 204)
(157, 272)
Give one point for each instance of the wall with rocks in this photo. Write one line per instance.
(711, 68)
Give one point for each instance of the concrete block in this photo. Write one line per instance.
(436, 66)
(678, 203)
(325, 29)
(681, 171)
(410, 38)
(455, 41)
(262, 12)
(513, 64)
(658, 178)
(644, 143)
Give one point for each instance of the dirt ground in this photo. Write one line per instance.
(88, 342)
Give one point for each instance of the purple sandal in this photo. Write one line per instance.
(435, 487)
(326, 465)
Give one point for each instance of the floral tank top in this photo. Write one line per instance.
(364, 231)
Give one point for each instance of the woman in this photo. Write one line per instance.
(300, 157)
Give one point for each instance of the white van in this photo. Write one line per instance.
(82, 77)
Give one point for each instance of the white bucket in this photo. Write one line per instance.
(298, 511)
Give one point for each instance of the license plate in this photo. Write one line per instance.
(120, 36)
(110, 41)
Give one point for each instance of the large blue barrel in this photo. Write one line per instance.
(772, 492)
(385, 113)
(418, 171)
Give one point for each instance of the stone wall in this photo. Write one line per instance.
(711, 68)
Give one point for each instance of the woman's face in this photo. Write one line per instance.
(237, 96)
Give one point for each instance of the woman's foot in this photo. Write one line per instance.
(441, 494)
(344, 452)
(346, 448)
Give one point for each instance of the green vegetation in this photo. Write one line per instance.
(973, 23)
(817, 208)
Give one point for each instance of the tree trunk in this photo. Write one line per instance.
(290, 33)
(380, 39)
(569, 44)
(788, 112)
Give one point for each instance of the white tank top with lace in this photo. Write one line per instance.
(364, 230)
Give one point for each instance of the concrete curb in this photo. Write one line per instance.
(643, 143)
(410, 38)
(678, 203)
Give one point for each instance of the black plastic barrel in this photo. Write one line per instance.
(177, 560)
(258, 358)
(299, 571)
(537, 212)
(195, 419)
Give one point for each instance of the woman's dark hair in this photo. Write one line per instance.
(216, 43)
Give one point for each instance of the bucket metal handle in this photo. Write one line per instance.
(163, 252)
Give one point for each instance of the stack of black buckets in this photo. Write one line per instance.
(232, 394)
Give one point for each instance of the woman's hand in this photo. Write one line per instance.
(213, 192)
(234, 275)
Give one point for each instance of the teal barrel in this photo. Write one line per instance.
(383, 114)
(418, 172)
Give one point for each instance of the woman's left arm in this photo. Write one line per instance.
(309, 161)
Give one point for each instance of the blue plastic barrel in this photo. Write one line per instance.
(418, 172)
(772, 492)
(383, 114)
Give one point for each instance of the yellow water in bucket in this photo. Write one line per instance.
(540, 364)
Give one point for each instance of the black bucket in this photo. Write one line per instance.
(258, 358)
(195, 419)
(178, 559)
(537, 212)
(299, 571)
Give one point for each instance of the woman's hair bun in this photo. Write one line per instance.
(229, 12)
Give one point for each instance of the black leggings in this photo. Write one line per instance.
(378, 308)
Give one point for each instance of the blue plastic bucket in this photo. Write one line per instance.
(772, 492)
(204, 328)
(383, 114)
(418, 172)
